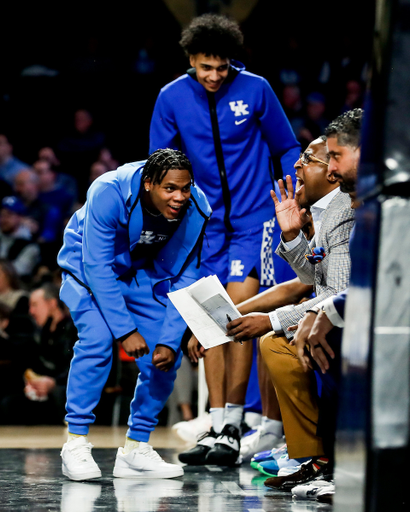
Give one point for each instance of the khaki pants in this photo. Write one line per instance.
(297, 396)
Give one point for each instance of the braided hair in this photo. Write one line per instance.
(161, 161)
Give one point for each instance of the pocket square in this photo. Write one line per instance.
(318, 253)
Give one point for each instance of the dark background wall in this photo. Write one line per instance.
(113, 60)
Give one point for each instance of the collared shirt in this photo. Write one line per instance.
(317, 210)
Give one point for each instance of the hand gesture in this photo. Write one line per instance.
(291, 217)
(135, 345)
(163, 358)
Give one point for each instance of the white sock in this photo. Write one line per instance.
(272, 426)
(233, 415)
(217, 416)
(252, 419)
(73, 437)
(130, 444)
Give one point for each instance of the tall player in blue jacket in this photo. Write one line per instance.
(232, 127)
(138, 236)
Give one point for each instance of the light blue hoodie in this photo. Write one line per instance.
(100, 236)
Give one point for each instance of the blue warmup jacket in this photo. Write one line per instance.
(100, 236)
(234, 138)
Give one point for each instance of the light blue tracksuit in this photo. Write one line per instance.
(109, 299)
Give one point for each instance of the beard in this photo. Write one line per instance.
(348, 186)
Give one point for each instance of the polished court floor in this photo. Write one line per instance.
(31, 480)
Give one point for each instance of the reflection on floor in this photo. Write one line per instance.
(31, 480)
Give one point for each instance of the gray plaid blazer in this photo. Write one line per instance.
(332, 274)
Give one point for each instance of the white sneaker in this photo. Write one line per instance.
(190, 430)
(144, 462)
(78, 463)
(77, 496)
(257, 442)
(311, 490)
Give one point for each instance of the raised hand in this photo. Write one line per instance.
(291, 217)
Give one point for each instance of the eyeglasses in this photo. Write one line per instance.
(307, 158)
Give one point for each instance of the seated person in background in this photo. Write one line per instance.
(50, 191)
(43, 398)
(9, 164)
(64, 181)
(105, 156)
(44, 221)
(15, 238)
(97, 169)
(11, 294)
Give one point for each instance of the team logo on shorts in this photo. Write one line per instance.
(237, 268)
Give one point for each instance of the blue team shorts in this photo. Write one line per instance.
(233, 256)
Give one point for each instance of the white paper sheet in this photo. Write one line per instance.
(206, 308)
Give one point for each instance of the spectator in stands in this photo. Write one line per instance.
(97, 169)
(44, 221)
(107, 157)
(353, 95)
(313, 122)
(50, 192)
(15, 238)
(43, 398)
(9, 164)
(47, 153)
(64, 180)
(80, 148)
(11, 294)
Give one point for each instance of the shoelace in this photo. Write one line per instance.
(231, 433)
(149, 452)
(203, 435)
(277, 450)
(83, 452)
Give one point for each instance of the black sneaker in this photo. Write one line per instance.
(226, 449)
(318, 466)
(196, 456)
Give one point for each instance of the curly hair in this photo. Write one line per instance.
(161, 161)
(212, 34)
(347, 128)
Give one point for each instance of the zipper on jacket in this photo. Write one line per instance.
(78, 281)
(226, 194)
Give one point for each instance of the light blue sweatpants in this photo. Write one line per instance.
(92, 359)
